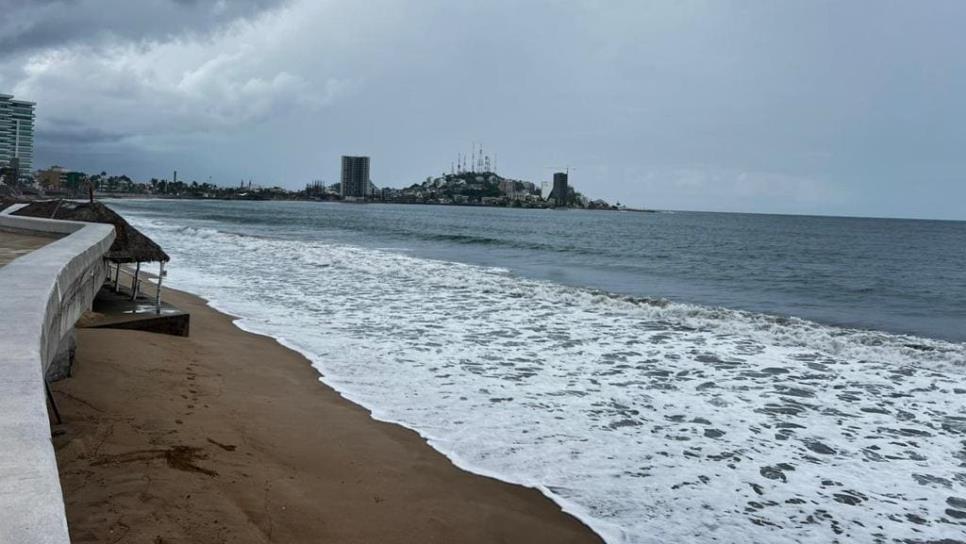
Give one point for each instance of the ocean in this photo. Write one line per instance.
(665, 377)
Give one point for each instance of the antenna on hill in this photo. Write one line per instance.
(566, 169)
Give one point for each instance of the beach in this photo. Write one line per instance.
(651, 420)
(228, 436)
(13, 245)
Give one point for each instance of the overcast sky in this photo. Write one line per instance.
(855, 108)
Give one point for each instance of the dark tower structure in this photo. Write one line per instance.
(355, 176)
(560, 193)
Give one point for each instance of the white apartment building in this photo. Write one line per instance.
(17, 133)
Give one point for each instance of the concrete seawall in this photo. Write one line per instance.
(42, 294)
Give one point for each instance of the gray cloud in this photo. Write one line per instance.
(38, 24)
(817, 107)
(79, 137)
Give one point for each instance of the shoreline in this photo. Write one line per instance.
(603, 528)
(108, 197)
(226, 436)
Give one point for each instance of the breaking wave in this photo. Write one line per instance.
(650, 420)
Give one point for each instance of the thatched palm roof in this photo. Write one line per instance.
(130, 245)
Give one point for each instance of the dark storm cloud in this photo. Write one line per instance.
(33, 25)
(750, 105)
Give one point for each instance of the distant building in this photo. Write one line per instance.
(355, 177)
(5, 130)
(560, 192)
(75, 180)
(10, 172)
(545, 190)
(17, 135)
(54, 177)
(508, 188)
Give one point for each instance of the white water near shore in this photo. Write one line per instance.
(651, 421)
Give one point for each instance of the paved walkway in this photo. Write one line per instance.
(13, 245)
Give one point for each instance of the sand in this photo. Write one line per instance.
(14, 244)
(228, 436)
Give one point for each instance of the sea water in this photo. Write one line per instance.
(664, 377)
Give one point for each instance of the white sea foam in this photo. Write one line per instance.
(651, 421)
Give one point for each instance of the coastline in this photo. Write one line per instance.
(229, 436)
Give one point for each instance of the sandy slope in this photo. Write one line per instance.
(230, 437)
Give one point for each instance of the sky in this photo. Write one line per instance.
(815, 107)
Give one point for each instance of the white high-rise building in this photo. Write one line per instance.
(17, 133)
(5, 129)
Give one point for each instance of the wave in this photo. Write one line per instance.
(770, 329)
(650, 420)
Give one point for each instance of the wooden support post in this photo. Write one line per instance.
(117, 278)
(134, 283)
(157, 300)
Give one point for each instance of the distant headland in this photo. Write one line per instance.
(465, 185)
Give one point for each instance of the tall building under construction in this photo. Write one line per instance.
(17, 135)
(355, 177)
(561, 191)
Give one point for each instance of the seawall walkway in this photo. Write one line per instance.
(42, 294)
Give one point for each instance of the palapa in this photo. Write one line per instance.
(130, 245)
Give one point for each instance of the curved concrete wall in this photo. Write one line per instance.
(42, 294)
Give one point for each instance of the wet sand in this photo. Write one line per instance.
(230, 437)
